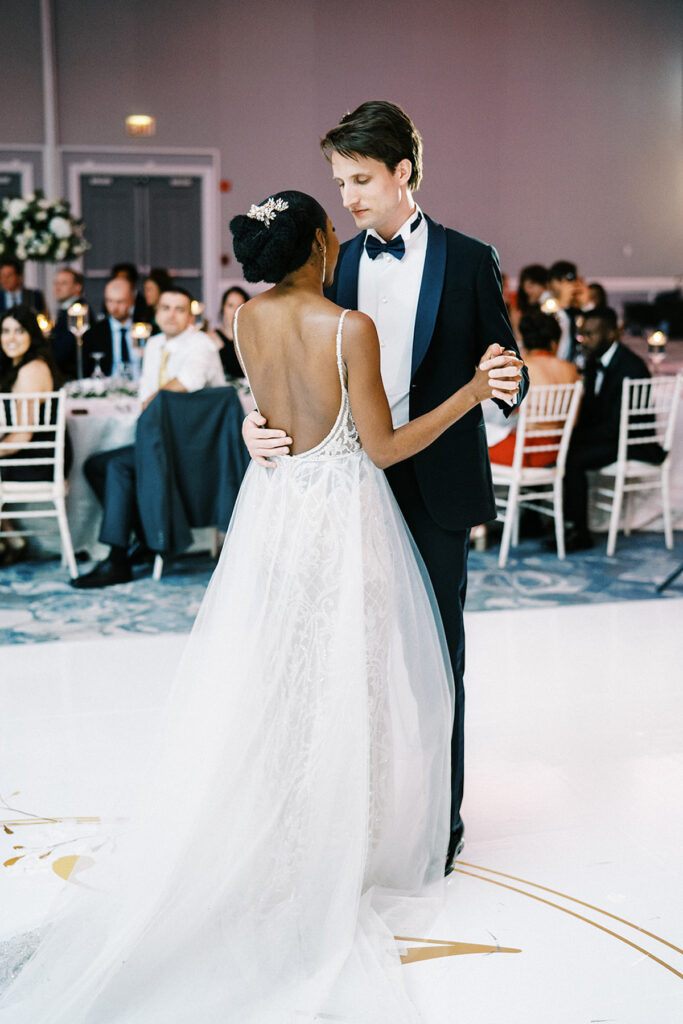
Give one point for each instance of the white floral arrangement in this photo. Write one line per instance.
(44, 230)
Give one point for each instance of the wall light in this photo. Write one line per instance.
(140, 124)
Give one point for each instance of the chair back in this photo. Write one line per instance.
(43, 414)
(649, 406)
(546, 421)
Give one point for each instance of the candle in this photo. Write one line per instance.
(141, 331)
(550, 306)
(196, 308)
(44, 323)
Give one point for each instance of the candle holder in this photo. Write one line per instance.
(45, 324)
(656, 347)
(141, 333)
(78, 316)
(197, 309)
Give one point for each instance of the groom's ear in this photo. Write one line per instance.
(404, 171)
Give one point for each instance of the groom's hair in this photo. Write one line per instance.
(381, 131)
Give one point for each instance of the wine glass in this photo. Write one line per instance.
(656, 347)
(98, 372)
(78, 316)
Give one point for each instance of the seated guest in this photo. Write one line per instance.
(68, 288)
(566, 288)
(597, 296)
(532, 289)
(178, 359)
(12, 291)
(26, 366)
(157, 281)
(594, 442)
(232, 299)
(113, 336)
(129, 272)
(540, 334)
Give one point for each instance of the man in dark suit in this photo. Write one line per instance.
(12, 291)
(435, 296)
(68, 288)
(595, 438)
(113, 335)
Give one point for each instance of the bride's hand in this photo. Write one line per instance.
(262, 442)
(498, 375)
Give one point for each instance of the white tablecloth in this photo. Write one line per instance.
(94, 425)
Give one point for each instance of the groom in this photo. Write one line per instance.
(436, 299)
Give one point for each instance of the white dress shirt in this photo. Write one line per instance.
(388, 291)
(605, 359)
(192, 359)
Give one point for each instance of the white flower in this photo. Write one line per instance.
(63, 249)
(44, 204)
(21, 252)
(7, 226)
(43, 248)
(60, 227)
(26, 235)
(41, 215)
(16, 208)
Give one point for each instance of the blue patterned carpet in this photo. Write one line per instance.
(37, 604)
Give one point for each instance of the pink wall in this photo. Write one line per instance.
(553, 130)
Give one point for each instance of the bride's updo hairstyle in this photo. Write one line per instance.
(275, 237)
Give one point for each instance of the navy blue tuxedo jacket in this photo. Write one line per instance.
(460, 313)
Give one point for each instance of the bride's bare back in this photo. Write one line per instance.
(288, 347)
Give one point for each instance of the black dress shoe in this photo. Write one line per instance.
(139, 554)
(578, 540)
(455, 847)
(105, 574)
(575, 540)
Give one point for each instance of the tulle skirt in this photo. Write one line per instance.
(295, 813)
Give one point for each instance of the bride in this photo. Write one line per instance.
(295, 815)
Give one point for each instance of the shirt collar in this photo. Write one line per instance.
(127, 324)
(405, 231)
(173, 343)
(607, 357)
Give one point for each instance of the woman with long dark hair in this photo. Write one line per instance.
(26, 367)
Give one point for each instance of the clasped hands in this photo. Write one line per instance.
(498, 375)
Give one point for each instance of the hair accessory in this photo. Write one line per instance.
(268, 210)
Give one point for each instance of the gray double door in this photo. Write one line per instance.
(148, 220)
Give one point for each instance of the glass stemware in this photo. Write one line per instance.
(78, 316)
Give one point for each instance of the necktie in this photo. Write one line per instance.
(125, 358)
(396, 247)
(590, 373)
(163, 368)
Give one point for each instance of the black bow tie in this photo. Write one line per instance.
(396, 247)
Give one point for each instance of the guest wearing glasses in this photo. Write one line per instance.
(232, 299)
(179, 359)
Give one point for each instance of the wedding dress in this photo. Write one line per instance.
(295, 817)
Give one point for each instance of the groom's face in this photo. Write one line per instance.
(370, 192)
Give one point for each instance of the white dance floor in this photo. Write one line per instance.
(566, 906)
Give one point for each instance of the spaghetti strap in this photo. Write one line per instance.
(340, 361)
(241, 359)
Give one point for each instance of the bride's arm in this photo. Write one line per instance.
(370, 407)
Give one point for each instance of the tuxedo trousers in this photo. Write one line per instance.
(112, 477)
(584, 453)
(444, 553)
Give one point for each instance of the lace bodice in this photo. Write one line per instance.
(343, 438)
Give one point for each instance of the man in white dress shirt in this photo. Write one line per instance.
(179, 359)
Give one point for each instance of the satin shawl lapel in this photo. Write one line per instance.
(433, 277)
(347, 276)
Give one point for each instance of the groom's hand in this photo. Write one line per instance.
(504, 369)
(262, 442)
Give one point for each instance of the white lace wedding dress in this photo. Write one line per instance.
(296, 812)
